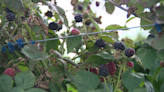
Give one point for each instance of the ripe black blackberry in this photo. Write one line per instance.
(119, 45)
(80, 7)
(53, 26)
(97, 3)
(78, 18)
(129, 52)
(100, 43)
(10, 16)
(103, 70)
(48, 14)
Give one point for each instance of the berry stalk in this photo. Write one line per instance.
(86, 31)
(29, 31)
(106, 84)
(118, 81)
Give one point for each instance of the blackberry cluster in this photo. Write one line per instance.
(10, 16)
(130, 64)
(100, 43)
(53, 26)
(119, 45)
(111, 68)
(78, 18)
(103, 70)
(129, 52)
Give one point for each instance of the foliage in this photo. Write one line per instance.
(40, 66)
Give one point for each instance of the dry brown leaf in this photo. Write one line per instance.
(44, 84)
(18, 36)
(39, 79)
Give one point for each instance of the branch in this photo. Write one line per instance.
(137, 15)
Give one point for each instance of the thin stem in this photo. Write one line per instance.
(146, 19)
(9, 36)
(106, 84)
(118, 81)
(29, 31)
(44, 64)
(86, 31)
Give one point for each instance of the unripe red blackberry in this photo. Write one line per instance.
(100, 43)
(9, 71)
(10, 16)
(78, 18)
(161, 64)
(130, 64)
(111, 68)
(119, 45)
(103, 70)
(95, 70)
(102, 79)
(97, 3)
(75, 31)
(129, 52)
(53, 26)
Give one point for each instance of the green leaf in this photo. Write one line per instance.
(140, 90)
(34, 53)
(130, 19)
(158, 43)
(129, 43)
(99, 58)
(73, 43)
(161, 53)
(143, 22)
(17, 89)
(85, 80)
(54, 87)
(69, 75)
(57, 72)
(109, 7)
(91, 47)
(35, 90)
(53, 44)
(106, 56)
(25, 80)
(113, 26)
(16, 5)
(149, 86)
(147, 56)
(107, 38)
(156, 73)
(132, 80)
(22, 67)
(97, 90)
(162, 88)
(5, 83)
(161, 75)
(103, 86)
